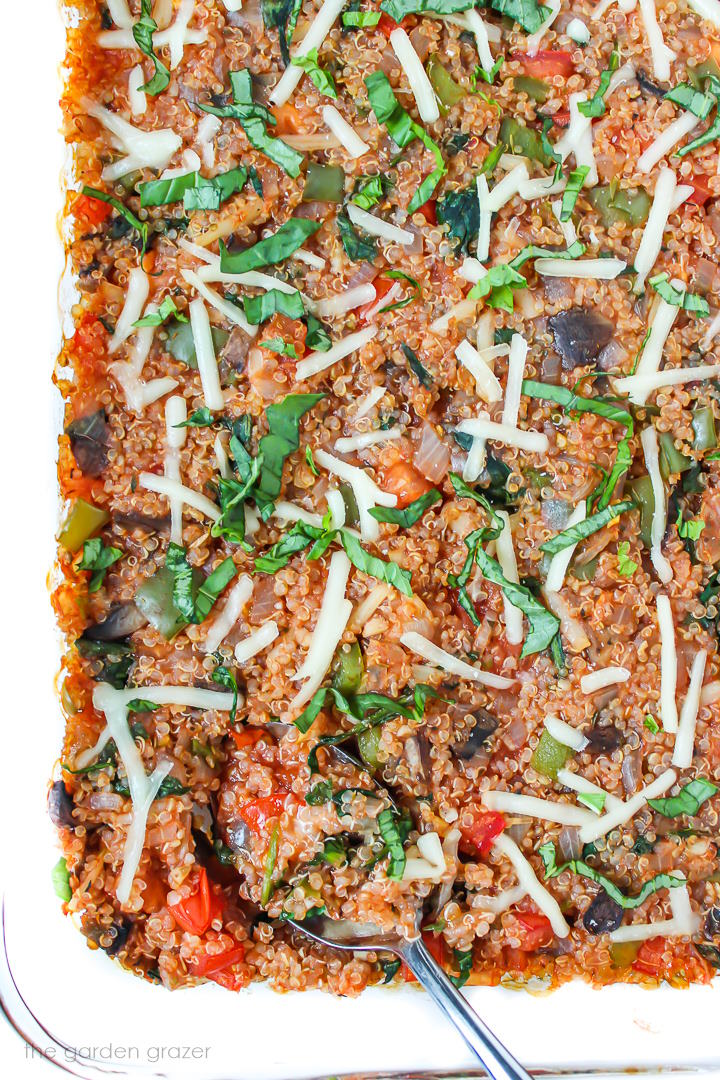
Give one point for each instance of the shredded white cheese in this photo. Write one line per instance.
(205, 133)
(533, 41)
(652, 236)
(173, 489)
(336, 506)
(666, 140)
(685, 739)
(367, 493)
(434, 655)
(542, 809)
(230, 311)
(578, 141)
(175, 437)
(348, 136)
(459, 312)
(136, 96)
(223, 623)
(598, 680)
(316, 362)
(684, 922)
(565, 733)
(120, 14)
(582, 786)
(501, 901)
(639, 387)
(602, 269)
(367, 438)
(175, 37)
(662, 319)
(529, 882)
(533, 442)
(649, 442)
(662, 56)
(370, 400)
(710, 693)
(205, 352)
(391, 296)
(340, 303)
(506, 188)
(508, 564)
(420, 84)
(620, 815)
(707, 9)
(317, 32)
(375, 226)
(309, 258)
(143, 149)
(516, 372)
(668, 664)
(486, 382)
(135, 298)
(429, 862)
(256, 641)
(560, 562)
(331, 622)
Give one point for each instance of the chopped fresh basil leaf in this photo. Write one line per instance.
(166, 311)
(372, 191)
(398, 9)
(416, 367)
(116, 659)
(460, 211)
(318, 76)
(687, 97)
(572, 190)
(490, 162)
(282, 15)
(259, 309)
(688, 301)
(688, 530)
(390, 969)
(273, 249)
(411, 514)
(283, 348)
(594, 801)
(398, 275)
(390, 834)
(60, 877)
(360, 18)
(583, 529)
(98, 558)
(577, 866)
(141, 227)
(311, 461)
(529, 14)
(142, 32)
(141, 705)
(357, 247)
(254, 120)
(202, 417)
(317, 336)
(224, 677)
(211, 588)
(626, 565)
(255, 181)
(183, 594)
(162, 192)
(651, 724)
(209, 194)
(543, 624)
(486, 76)
(464, 960)
(497, 286)
(282, 439)
(378, 568)
(688, 800)
(319, 793)
(596, 105)
(270, 862)
(532, 251)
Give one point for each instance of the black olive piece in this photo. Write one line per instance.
(648, 86)
(124, 619)
(712, 922)
(143, 521)
(603, 740)
(603, 915)
(60, 806)
(121, 932)
(88, 439)
(579, 336)
(485, 726)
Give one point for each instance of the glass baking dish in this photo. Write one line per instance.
(74, 1006)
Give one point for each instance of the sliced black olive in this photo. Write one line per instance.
(579, 335)
(60, 806)
(143, 521)
(485, 725)
(648, 86)
(603, 915)
(120, 932)
(236, 349)
(603, 740)
(709, 952)
(89, 440)
(712, 922)
(238, 837)
(123, 620)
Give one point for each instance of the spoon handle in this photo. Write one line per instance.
(498, 1061)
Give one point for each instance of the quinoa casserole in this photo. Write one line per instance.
(388, 572)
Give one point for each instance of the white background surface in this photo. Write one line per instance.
(81, 996)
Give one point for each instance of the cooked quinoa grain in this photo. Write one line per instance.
(389, 561)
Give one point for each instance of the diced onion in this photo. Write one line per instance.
(620, 815)
(420, 85)
(223, 623)
(668, 664)
(578, 31)
(560, 562)
(256, 641)
(120, 14)
(685, 739)
(649, 442)
(319, 361)
(598, 680)
(529, 882)
(433, 654)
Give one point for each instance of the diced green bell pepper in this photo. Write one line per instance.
(352, 514)
(348, 669)
(703, 424)
(448, 91)
(550, 755)
(536, 89)
(154, 598)
(585, 571)
(624, 953)
(699, 73)
(324, 183)
(83, 521)
(181, 343)
(615, 205)
(368, 743)
(671, 460)
(641, 490)
(523, 140)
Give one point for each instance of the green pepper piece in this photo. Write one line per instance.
(703, 424)
(699, 73)
(348, 669)
(616, 205)
(324, 183)
(523, 140)
(352, 514)
(642, 492)
(83, 521)
(624, 953)
(536, 89)
(550, 755)
(585, 571)
(368, 743)
(448, 91)
(181, 343)
(671, 460)
(154, 598)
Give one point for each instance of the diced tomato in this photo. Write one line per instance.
(405, 481)
(246, 738)
(289, 120)
(435, 945)
(651, 957)
(546, 63)
(257, 813)
(561, 118)
(155, 895)
(701, 190)
(383, 286)
(292, 331)
(428, 211)
(92, 211)
(536, 931)
(484, 830)
(215, 965)
(198, 910)
(386, 25)
(89, 334)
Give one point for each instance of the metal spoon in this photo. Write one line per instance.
(343, 934)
